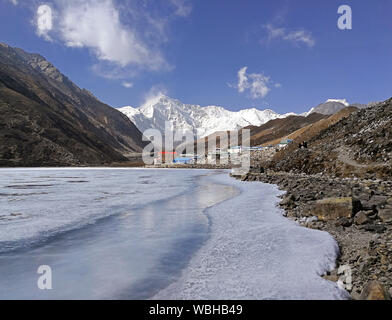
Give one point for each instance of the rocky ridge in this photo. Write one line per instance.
(46, 120)
(359, 145)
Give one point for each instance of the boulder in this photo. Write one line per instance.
(374, 203)
(374, 290)
(344, 222)
(257, 170)
(361, 218)
(333, 208)
(375, 228)
(385, 214)
(288, 200)
(356, 296)
(333, 278)
(369, 213)
(244, 177)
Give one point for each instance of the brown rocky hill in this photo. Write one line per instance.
(46, 120)
(280, 128)
(308, 132)
(271, 132)
(359, 144)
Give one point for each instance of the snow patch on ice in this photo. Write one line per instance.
(254, 252)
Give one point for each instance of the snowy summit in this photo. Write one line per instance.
(201, 121)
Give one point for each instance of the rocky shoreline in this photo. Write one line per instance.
(356, 212)
(189, 166)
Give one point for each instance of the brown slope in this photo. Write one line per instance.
(47, 120)
(308, 132)
(273, 129)
(280, 128)
(360, 144)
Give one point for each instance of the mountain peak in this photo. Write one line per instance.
(342, 101)
(158, 100)
(329, 107)
(201, 121)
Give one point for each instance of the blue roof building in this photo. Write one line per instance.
(183, 160)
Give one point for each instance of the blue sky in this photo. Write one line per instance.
(282, 54)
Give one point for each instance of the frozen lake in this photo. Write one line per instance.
(160, 234)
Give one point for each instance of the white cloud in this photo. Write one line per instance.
(242, 79)
(183, 7)
(14, 2)
(257, 84)
(127, 85)
(44, 21)
(96, 25)
(124, 36)
(274, 33)
(154, 95)
(300, 36)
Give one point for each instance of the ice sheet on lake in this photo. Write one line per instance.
(38, 203)
(252, 251)
(130, 255)
(256, 253)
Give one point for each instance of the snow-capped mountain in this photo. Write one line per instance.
(329, 107)
(342, 101)
(201, 121)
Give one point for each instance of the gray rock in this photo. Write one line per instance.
(287, 201)
(369, 213)
(385, 214)
(361, 218)
(375, 202)
(344, 222)
(356, 296)
(375, 228)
